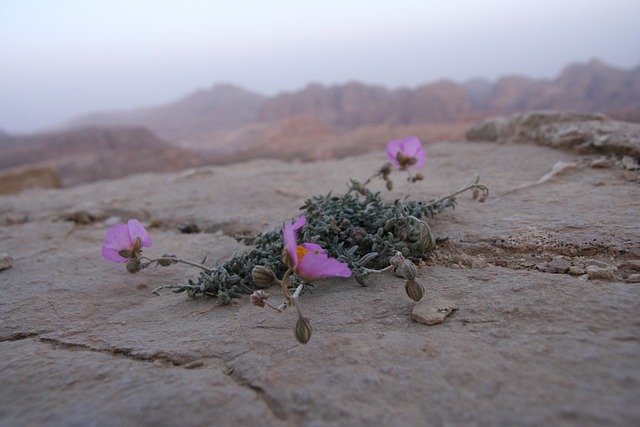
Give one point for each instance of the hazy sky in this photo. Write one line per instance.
(63, 58)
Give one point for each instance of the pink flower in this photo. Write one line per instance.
(406, 153)
(125, 241)
(309, 260)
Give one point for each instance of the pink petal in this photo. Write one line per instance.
(112, 255)
(392, 151)
(300, 223)
(290, 238)
(318, 265)
(313, 248)
(409, 147)
(137, 230)
(289, 234)
(412, 148)
(116, 239)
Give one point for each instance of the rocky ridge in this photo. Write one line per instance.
(541, 282)
(226, 114)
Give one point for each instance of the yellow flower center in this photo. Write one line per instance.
(302, 251)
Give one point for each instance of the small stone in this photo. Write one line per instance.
(81, 217)
(432, 312)
(560, 264)
(193, 365)
(630, 163)
(633, 278)
(595, 262)
(479, 263)
(545, 267)
(630, 265)
(188, 228)
(575, 270)
(596, 272)
(601, 162)
(5, 261)
(501, 262)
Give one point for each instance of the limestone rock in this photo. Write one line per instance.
(85, 343)
(568, 130)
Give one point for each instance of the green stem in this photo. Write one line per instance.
(157, 290)
(481, 187)
(369, 270)
(407, 190)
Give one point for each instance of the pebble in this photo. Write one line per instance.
(633, 278)
(630, 265)
(432, 312)
(194, 364)
(5, 261)
(574, 270)
(630, 163)
(596, 272)
(560, 264)
(595, 262)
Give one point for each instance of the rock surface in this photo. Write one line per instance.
(15, 180)
(592, 133)
(85, 343)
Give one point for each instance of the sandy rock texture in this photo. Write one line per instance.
(542, 276)
(15, 180)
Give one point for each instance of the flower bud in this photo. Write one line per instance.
(303, 330)
(385, 170)
(165, 261)
(133, 265)
(262, 276)
(407, 270)
(414, 289)
(258, 298)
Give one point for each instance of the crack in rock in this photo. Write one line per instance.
(175, 360)
(17, 336)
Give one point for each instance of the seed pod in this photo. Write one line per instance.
(414, 289)
(262, 276)
(303, 330)
(407, 270)
(258, 298)
(165, 262)
(133, 265)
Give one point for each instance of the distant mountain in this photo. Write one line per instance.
(591, 87)
(226, 116)
(353, 105)
(226, 123)
(220, 108)
(90, 154)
